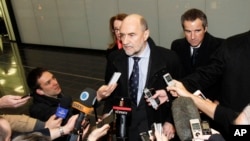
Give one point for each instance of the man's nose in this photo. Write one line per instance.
(124, 40)
(192, 35)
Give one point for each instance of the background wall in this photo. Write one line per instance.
(84, 23)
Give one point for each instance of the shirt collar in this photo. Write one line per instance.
(145, 53)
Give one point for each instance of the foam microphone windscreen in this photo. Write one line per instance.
(87, 97)
(184, 109)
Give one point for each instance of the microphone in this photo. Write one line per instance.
(63, 108)
(88, 97)
(83, 110)
(183, 110)
(85, 107)
(122, 111)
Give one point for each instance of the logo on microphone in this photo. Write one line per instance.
(84, 96)
(61, 112)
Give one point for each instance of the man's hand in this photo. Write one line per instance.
(12, 101)
(178, 89)
(56, 132)
(161, 95)
(86, 127)
(53, 122)
(104, 91)
(206, 137)
(69, 126)
(98, 132)
(160, 137)
(168, 130)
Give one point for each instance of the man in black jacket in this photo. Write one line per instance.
(229, 64)
(196, 48)
(154, 62)
(47, 96)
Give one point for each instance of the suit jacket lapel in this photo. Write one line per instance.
(122, 66)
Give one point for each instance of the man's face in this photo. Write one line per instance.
(49, 85)
(133, 36)
(194, 32)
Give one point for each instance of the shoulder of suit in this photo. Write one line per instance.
(163, 52)
(179, 43)
(208, 35)
(116, 53)
(180, 40)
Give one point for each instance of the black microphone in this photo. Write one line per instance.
(122, 111)
(184, 109)
(85, 107)
(87, 97)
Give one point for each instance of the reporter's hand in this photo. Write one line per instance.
(98, 132)
(53, 122)
(160, 136)
(66, 129)
(168, 130)
(86, 129)
(69, 126)
(178, 89)
(12, 101)
(161, 95)
(104, 91)
(206, 137)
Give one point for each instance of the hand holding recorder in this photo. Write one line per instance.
(178, 89)
(105, 90)
(12, 101)
(159, 135)
(160, 96)
(154, 102)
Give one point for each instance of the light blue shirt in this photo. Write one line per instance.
(143, 70)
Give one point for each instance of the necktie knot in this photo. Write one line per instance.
(136, 59)
(195, 51)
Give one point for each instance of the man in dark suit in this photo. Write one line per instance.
(154, 62)
(230, 64)
(196, 48)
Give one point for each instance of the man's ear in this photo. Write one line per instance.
(146, 34)
(40, 91)
(206, 29)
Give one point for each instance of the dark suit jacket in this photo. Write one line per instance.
(230, 64)
(161, 61)
(109, 50)
(207, 48)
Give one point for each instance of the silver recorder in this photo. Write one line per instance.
(154, 102)
(168, 79)
(196, 128)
